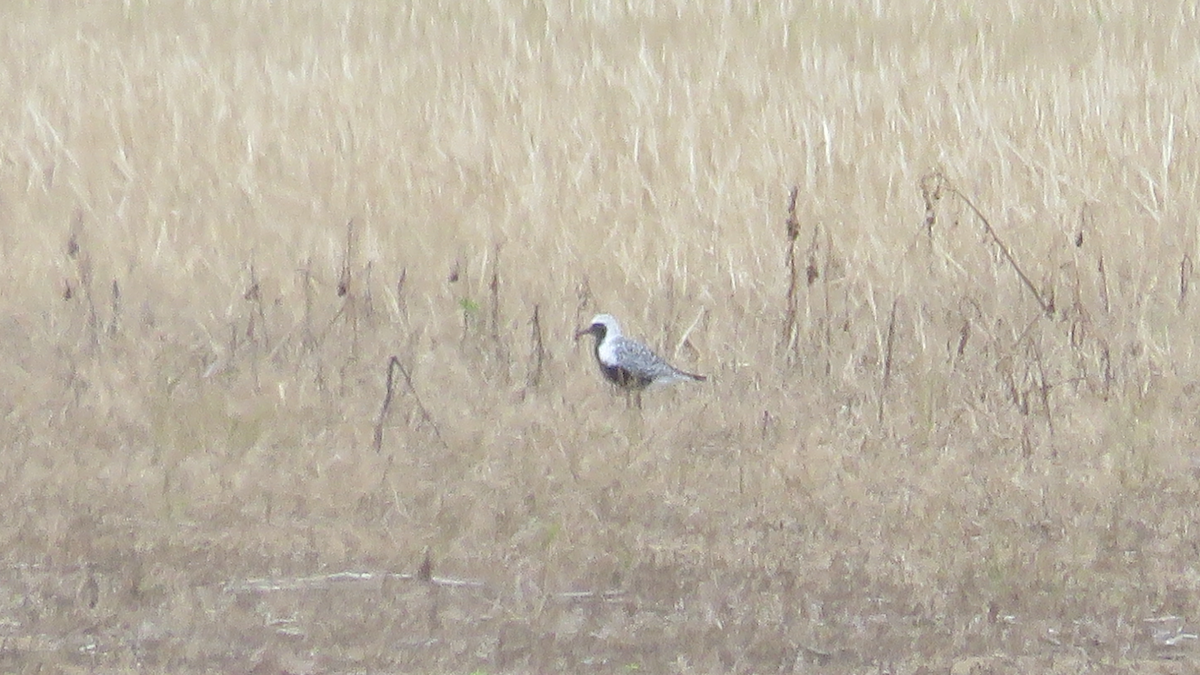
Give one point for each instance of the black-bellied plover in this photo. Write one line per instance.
(628, 363)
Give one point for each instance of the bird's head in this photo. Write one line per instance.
(602, 326)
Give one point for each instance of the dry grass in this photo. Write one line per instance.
(949, 426)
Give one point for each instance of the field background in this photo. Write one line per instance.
(949, 426)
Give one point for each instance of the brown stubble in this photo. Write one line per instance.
(932, 466)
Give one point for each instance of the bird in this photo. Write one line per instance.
(629, 364)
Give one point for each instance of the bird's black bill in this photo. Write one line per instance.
(597, 329)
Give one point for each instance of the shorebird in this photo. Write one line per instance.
(627, 363)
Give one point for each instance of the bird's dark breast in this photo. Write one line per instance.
(624, 378)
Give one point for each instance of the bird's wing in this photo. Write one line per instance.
(640, 359)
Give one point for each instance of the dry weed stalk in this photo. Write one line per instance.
(1103, 284)
(344, 276)
(494, 312)
(494, 294)
(931, 192)
(348, 311)
(308, 337)
(258, 317)
(401, 300)
(114, 320)
(345, 290)
(1109, 378)
(813, 274)
(368, 299)
(83, 270)
(1085, 219)
(394, 365)
(932, 186)
(1043, 386)
(1016, 392)
(1033, 385)
(1185, 276)
(537, 350)
(887, 358)
(966, 330)
(790, 337)
(425, 571)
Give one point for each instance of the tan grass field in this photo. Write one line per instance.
(949, 427)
